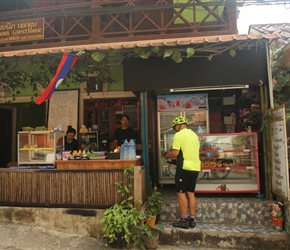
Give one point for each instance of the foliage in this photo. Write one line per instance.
(265, 123)
(124, 219)
(281, 75)
(37, 71)
(155, 202)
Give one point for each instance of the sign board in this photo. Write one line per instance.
(63, 109)
(22, 30)
(182, 102)
(133, 112)
(279, 153)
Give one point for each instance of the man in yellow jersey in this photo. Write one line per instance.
(185, 149)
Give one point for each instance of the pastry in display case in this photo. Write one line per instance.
(39, 147)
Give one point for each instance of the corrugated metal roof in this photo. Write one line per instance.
(283, 29)
(173, 42)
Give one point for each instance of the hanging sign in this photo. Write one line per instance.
(22, 30)
(182, 102)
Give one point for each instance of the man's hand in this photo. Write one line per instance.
(164, 153)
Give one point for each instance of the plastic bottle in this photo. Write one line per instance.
(199, 130)
(132, 150)
(126, 149)
(122, 152)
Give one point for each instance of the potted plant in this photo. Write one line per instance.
(150, 235)
(121, 223)
(154, 206)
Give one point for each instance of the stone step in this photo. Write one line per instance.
(225, 236)
(223, 222)
(225, 210)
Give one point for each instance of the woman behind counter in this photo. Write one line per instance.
(70, 143)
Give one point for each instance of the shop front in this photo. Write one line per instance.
(144, 80)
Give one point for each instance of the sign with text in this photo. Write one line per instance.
(22, 30)
(279, 151)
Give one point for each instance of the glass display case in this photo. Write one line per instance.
(39, 147)
(229, 163)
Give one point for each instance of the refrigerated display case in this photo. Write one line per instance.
(194, 108)
(39, 147)
(229, 164)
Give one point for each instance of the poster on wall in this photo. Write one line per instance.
(182, 102)
(279, 153)
(63, 109)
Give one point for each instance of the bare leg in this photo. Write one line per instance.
(192, 202)
(183, 204)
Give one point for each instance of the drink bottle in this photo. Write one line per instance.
(126, 149)
(132, 150)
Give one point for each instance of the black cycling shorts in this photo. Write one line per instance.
(185, 181)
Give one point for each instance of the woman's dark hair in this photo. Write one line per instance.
(70, 129)
(128, 118)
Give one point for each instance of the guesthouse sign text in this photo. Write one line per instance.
(22, 30)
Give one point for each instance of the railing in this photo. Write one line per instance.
(102, 21)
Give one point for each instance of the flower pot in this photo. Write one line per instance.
(151, 221)
(152, 243)
(119, 242)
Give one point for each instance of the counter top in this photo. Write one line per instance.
(97, 164)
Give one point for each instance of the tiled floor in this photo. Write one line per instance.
(235, 213)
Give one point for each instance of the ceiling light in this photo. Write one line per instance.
(203, 88)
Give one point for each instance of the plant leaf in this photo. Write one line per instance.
(167, 53)
(99, 56)
(233, 53)
(190, 52)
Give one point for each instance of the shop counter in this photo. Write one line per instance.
(83, 184)
(96, 164)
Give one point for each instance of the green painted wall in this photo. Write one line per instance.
(201, 12)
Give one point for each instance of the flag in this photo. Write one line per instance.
(66, 63)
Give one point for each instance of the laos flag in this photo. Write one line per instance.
(66, 63)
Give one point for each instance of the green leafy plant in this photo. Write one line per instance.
(123, 220)
(266, 122)
(155, 202)
(281, 75)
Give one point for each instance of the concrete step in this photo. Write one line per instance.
(225, 236)
(223, 222)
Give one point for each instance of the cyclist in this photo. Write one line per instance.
(186, 149)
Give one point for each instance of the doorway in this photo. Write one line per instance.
(6, 136)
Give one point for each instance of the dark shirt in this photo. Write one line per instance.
(121, 134)
(74, 145)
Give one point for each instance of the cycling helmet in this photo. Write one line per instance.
(178, 120)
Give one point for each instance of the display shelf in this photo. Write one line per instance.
(89, 140)
(39, 147)
(229, 163)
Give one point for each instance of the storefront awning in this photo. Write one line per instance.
(173, 42)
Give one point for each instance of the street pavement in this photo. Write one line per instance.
(24, 237)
